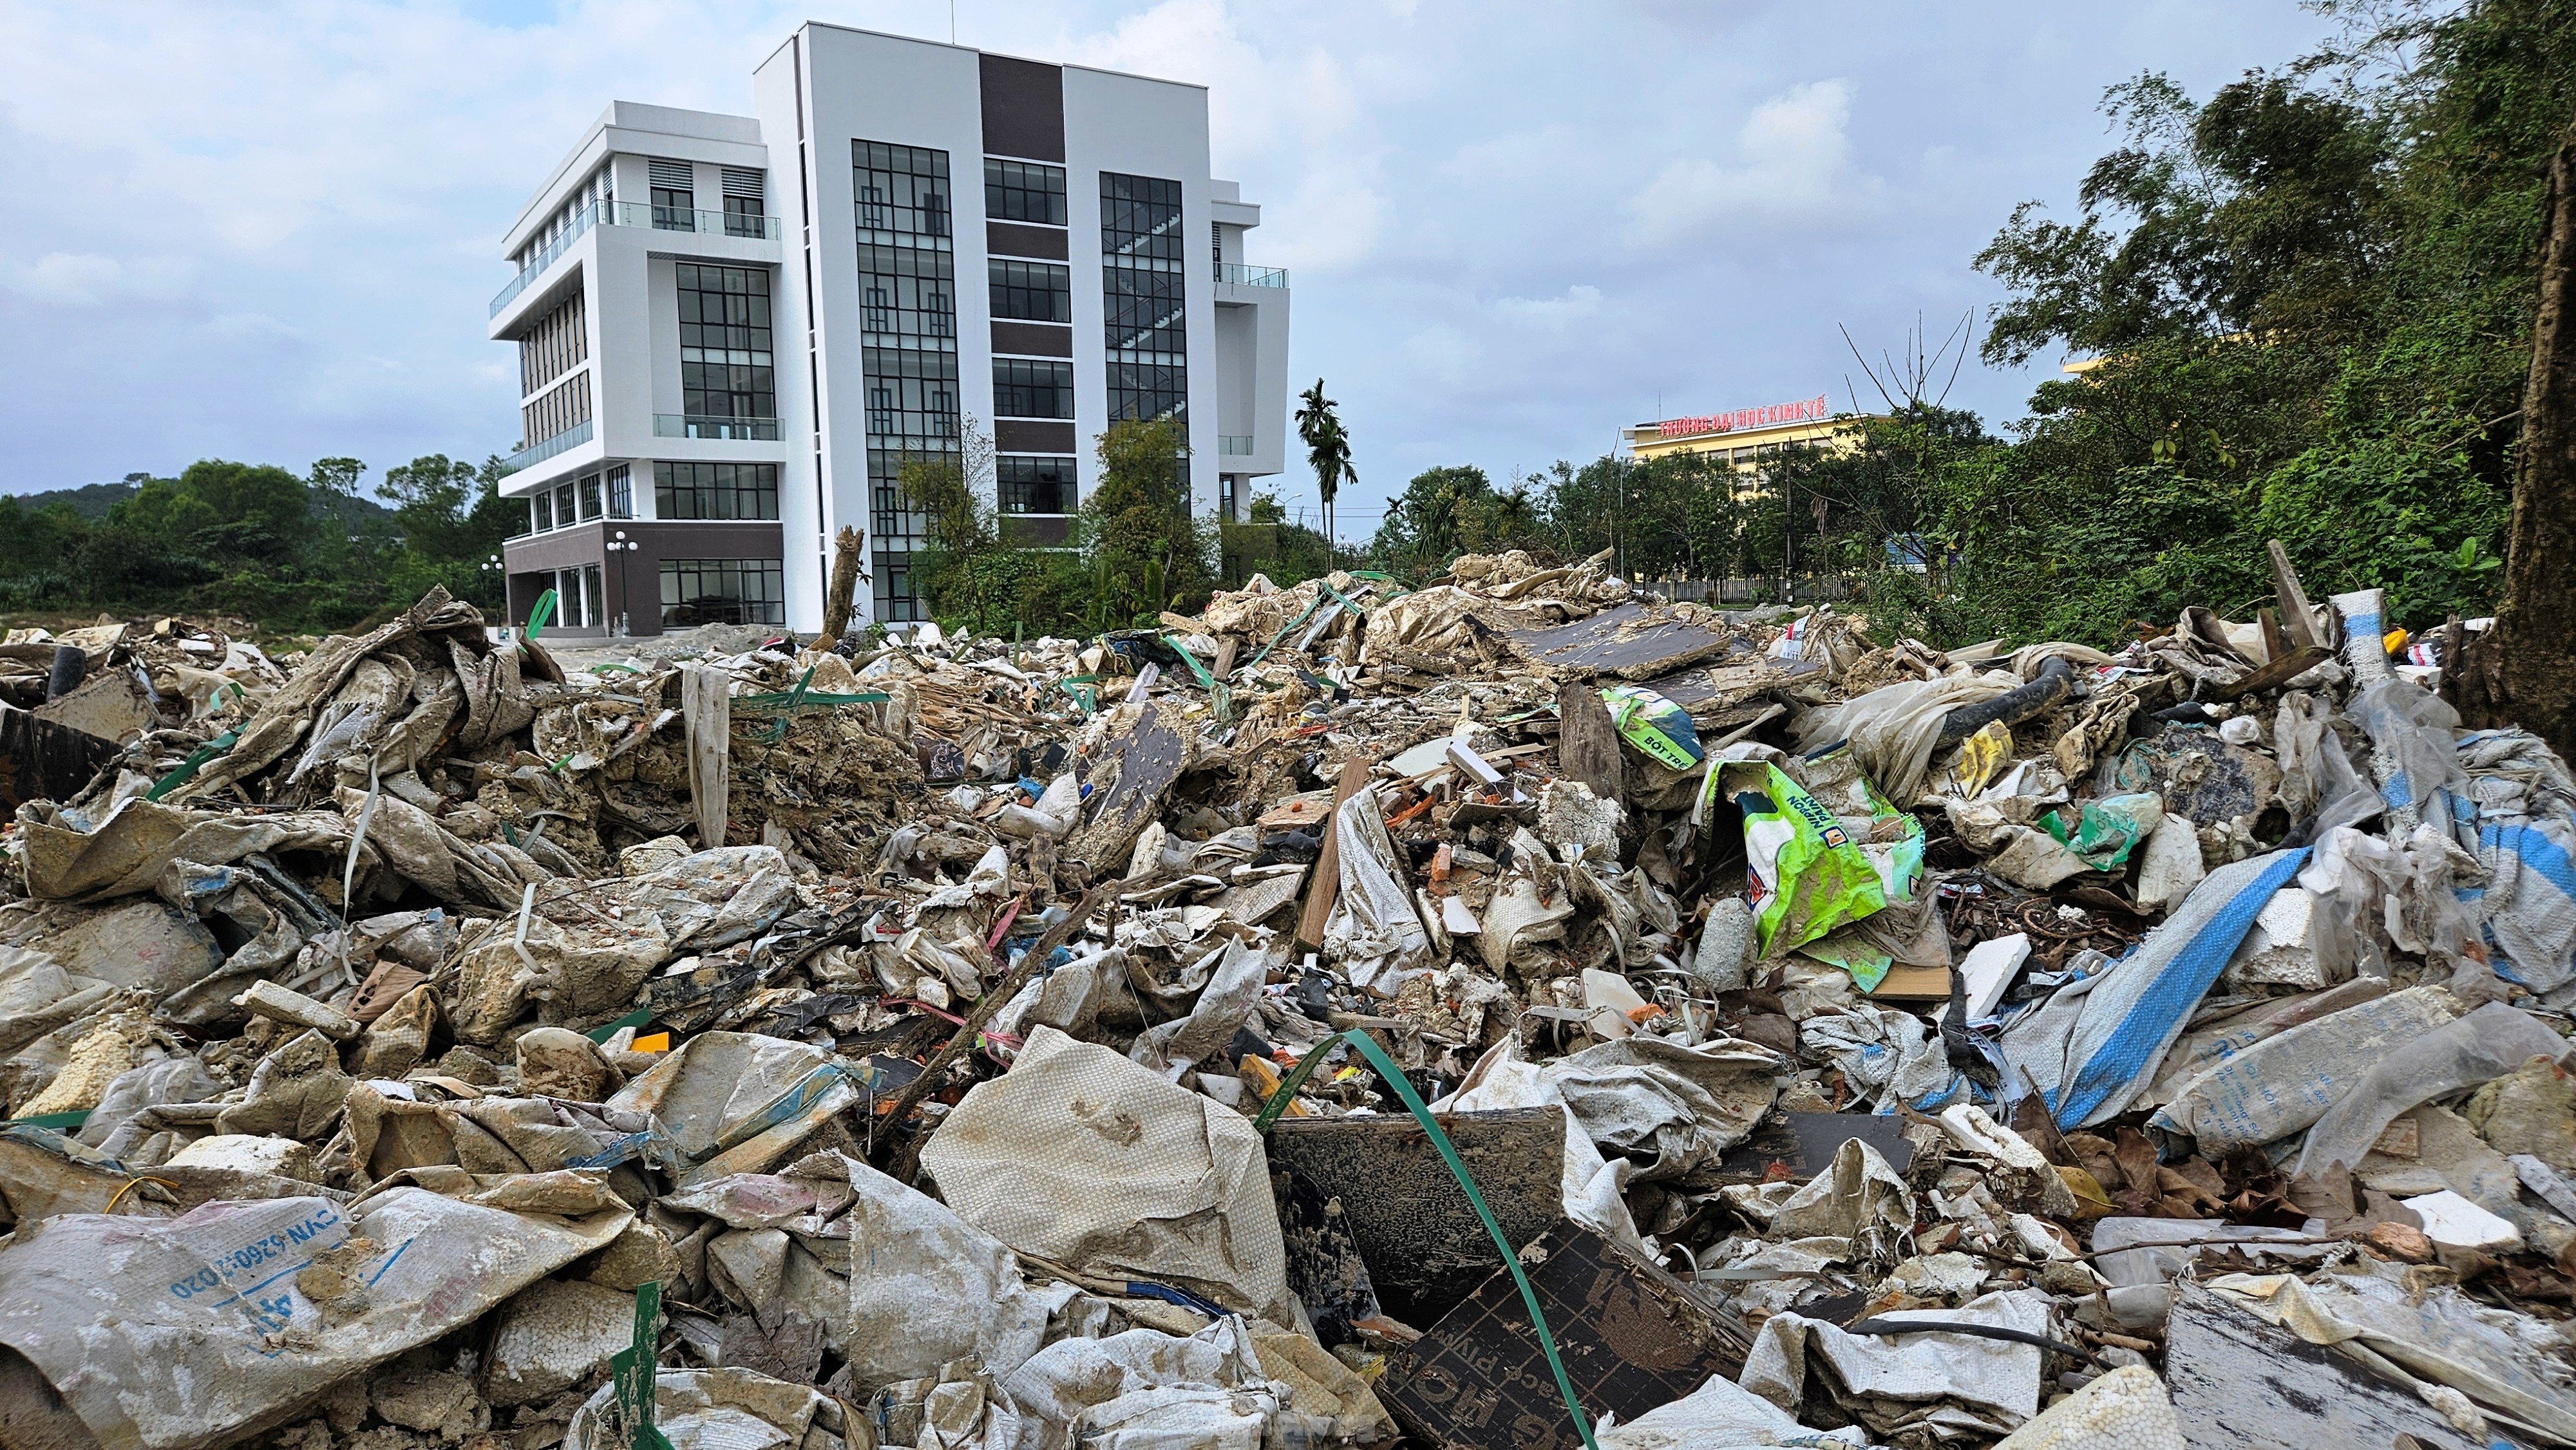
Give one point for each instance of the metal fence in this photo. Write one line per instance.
(1760, 589)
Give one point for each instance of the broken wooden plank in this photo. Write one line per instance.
(1588, 742)
(2242, 1384)
(2298, 617)
(1149, 758)
(706, 708)
(2279, 672)
(1328, 866)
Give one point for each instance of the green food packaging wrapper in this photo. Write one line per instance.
(1807, 874)
(1654, 725)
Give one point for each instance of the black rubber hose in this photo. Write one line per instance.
(1980, 1331)
(2056, 678)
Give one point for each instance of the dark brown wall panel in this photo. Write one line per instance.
(1023, 109)
(1010, 239)
(1033, 339)
(1026, 437)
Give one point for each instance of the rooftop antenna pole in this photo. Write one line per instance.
(952, 22)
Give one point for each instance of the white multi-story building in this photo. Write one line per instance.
(733, 329)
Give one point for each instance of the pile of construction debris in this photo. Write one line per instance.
(1518, 1010)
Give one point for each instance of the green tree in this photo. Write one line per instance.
(1328, 451)
(1144, 548)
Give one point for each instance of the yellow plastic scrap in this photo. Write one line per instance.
(1980, 756)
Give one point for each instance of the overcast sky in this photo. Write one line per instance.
(269, 232)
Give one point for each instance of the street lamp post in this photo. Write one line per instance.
(622, 546)
(501, 576)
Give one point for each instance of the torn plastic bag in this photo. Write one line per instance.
(1080, 1156)
(1373, 930)
(1654, 725)
(1806, 875)
(737, 1102)
(1121, 1390)
(899, 1283)
(2529, 901)
(385, 1134)
(2285, 1082)
(1720, 1415)
(1676, 1107)
(2088, 1057)
(2411, 752)
(1234, 989)
(2107, 830)
(1886, 1056)
(68, 859)
(1945, 1386)
(1893, 729)
(2480, 1047)
(164, 1334)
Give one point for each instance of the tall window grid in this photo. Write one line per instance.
(908, 347)
(726, 367)
(564, 408)
(1143, 295)
(1032, 388)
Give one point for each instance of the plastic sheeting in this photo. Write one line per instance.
(2097, 1043)
(196, 1330)
(1373, 929)
(2480, 1047)
(1085, 1158)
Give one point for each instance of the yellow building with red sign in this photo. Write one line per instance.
(1744, 436)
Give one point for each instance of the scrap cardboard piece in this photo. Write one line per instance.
(1912, 984)
(2242, 1384)
(1630, 642)
(1425, 1249)
(1631, 1336)
(111, 705)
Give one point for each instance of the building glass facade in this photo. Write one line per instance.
(908, 346)
(1142, 292)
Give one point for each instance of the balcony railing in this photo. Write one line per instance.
(1242, 276)
(697, 425)
(1228, 443)
(572, 437)
(681, 219)
(637, 214)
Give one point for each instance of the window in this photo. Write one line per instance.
(901, 189)
(674, 195)
(908, 347)
(1031, 388)
(589, 497)
(726, 368)
(1216, 242)
(1031, 291)
(715, 490)
(723, 591)
(563, 506)
(1023, 191)
(621, 494)
(560, 411)
(541, 512)
(745, 196)
(558, 343)
(1140, 222)
(1036, 485)
(1144, 307)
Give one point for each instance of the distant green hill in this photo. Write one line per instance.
(92, 500)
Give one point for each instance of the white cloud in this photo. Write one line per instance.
(1794, 165)
(1579, 303)
(86, 279)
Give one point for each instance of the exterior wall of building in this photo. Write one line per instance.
(592, 230)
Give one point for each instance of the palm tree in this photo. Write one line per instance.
(1328, 449)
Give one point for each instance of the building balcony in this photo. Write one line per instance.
(695, 425)
(1242, 276)
(572, 437)
(636, 214)
(1234, 445)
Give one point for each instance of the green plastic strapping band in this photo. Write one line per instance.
(195, 762)
(635, 1372)
(70, 1122)
(538, 617)
(1283, 632)
(1218, 696)
(1394, 1078)
(635, 1019)
(1337, 594)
